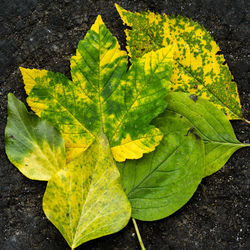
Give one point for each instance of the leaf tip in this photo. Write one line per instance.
(122, 12)
(119, 9)
(21, 69)
(10, 96)
(29, 77)
(98, 22)
(117, 6)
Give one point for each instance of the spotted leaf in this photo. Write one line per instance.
(197, 68)
(85, 200)
(35, 147)
(104, 95)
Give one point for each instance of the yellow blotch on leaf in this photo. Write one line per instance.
(29, 76)
(42, 162)
(153, 59)
(134, 149)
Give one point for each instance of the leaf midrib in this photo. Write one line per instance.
(99, 72)
(152, 171)
(208, 139)
(204, 86)
(76, 235)
(136, 98)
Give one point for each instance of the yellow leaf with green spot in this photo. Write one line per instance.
(104, 95)
(197, 68)
(85, 200)
(32, 145)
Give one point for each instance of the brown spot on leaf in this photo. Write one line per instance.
(194, 97)
(191, 130)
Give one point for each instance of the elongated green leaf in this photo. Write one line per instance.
(197, 67)
(206, 121)
(86, 200)
(104, 95)
(32, 145)
(163, 181)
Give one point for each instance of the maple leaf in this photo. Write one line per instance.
(104, 95)
(197, 68)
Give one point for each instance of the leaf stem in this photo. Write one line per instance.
(246, 121)
(138, 235)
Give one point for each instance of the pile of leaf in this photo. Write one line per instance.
(163, 119)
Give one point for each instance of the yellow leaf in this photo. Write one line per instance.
(86, 200)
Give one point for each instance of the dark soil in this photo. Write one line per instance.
(44, 34)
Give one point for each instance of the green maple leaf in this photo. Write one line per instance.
(85, 200)
(104, 95)
(197, 68)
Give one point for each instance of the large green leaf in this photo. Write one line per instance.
(198, 141)
(86, 200)
(32, 145)
(197, 67)
(104, 95)
(206, 121)
(163, 181)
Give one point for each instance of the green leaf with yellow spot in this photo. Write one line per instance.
(161, 182)
(34, 146)
(104, 95)
(197, 67)
(85, 200)
(200, 117)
